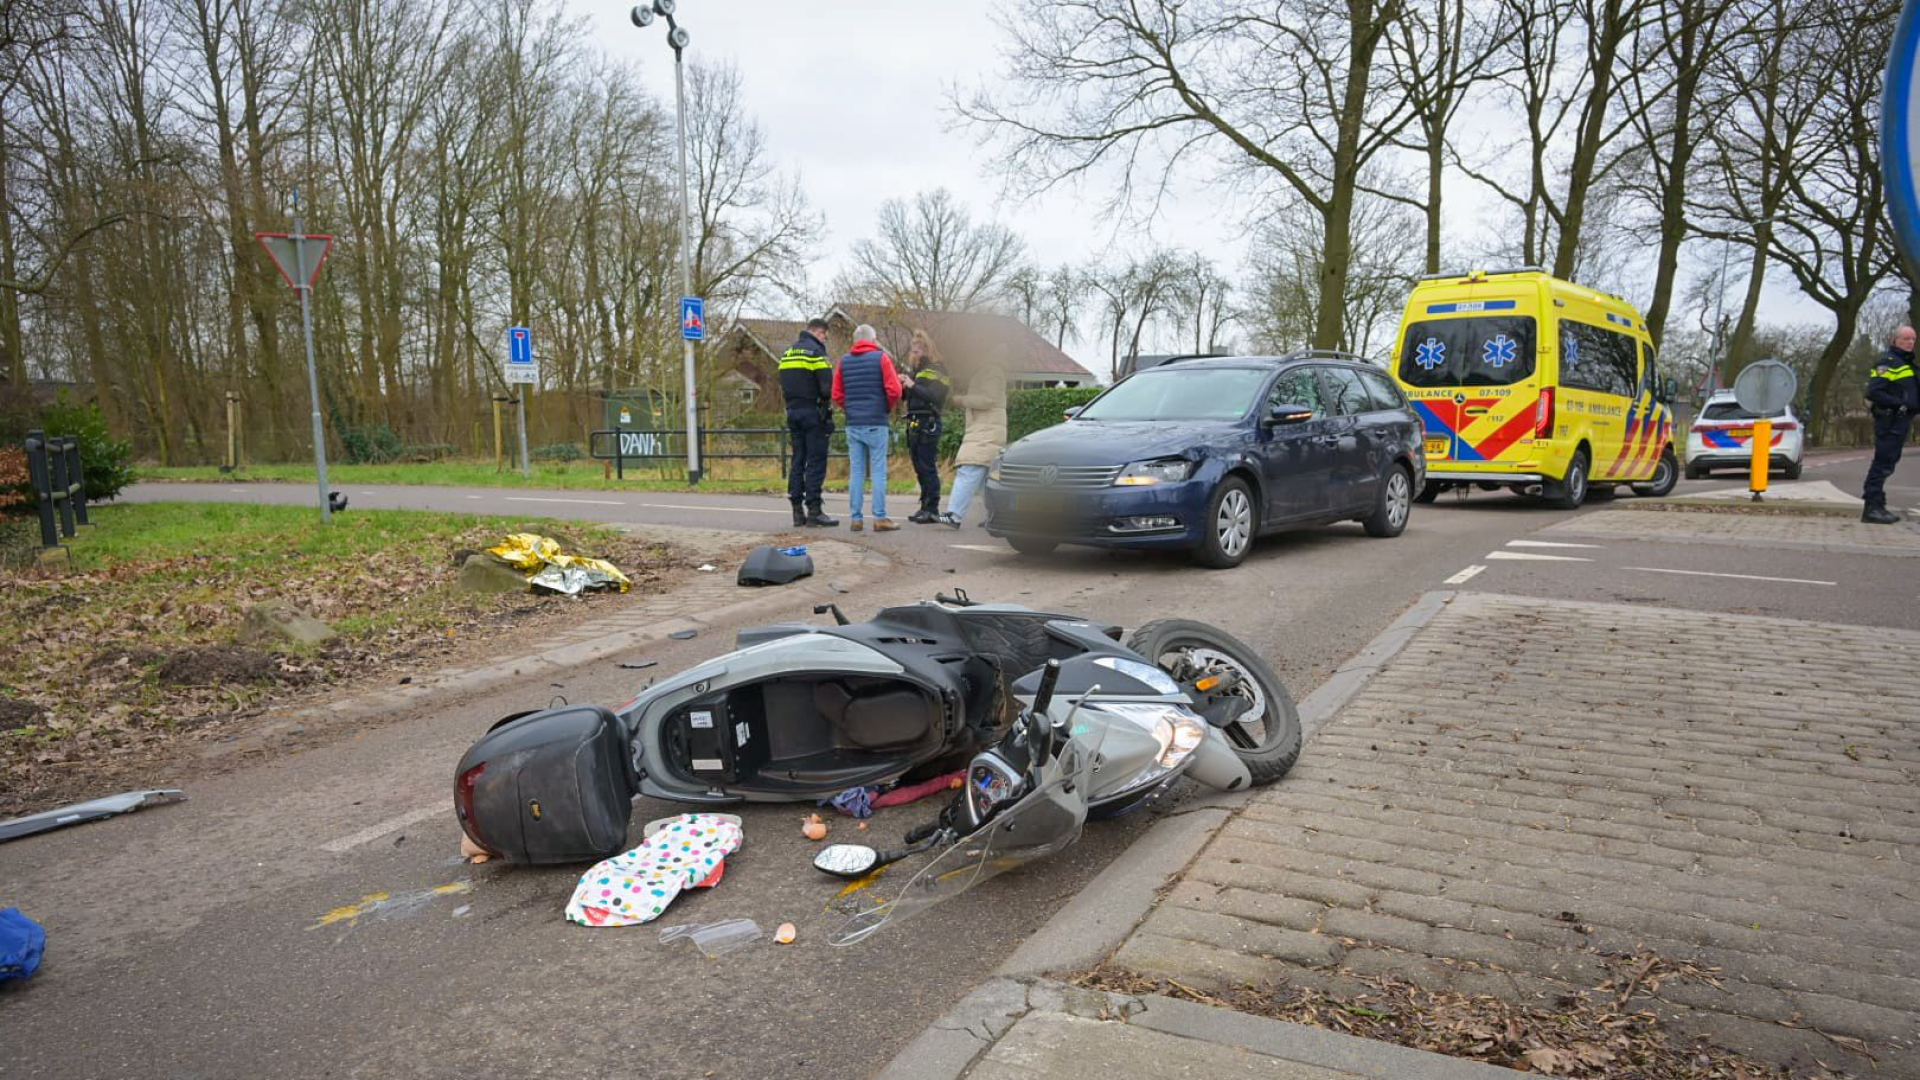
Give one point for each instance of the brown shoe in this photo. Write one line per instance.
(885, 525)
(855, 525)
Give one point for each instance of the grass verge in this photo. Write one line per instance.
(130, 643)
(721, 477)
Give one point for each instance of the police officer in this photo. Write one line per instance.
(927, 387)
(1895, 395)
(806, 382)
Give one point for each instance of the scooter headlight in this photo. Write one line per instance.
(1179, 735)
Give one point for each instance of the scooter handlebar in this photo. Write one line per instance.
(1043, 697)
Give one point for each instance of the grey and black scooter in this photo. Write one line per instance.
(802, 712)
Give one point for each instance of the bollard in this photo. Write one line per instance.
(61, 487)
(77, 481)
(1762, 460)
(42, 486)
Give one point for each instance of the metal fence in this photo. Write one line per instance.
(59, 485)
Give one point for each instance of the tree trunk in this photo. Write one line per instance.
(1846, 319)
(1605, 43)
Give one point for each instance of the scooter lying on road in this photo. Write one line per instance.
(801, 712)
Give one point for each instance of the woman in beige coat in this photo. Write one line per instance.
(985, 433)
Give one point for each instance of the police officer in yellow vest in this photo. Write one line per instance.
(806, 382)
(926, 395)
(1895, 394)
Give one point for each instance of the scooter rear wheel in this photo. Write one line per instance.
(1267, 737)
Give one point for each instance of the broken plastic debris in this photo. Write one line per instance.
(462, 910)
(637, 665)
(715, 939)
(126, 802)
(684, 635)
(708, 568)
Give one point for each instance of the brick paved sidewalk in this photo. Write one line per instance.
(1534, 785)
(1816, 532)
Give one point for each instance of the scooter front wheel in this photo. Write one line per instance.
(1267, 736)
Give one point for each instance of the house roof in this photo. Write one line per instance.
(953, 331)
(1031, 353)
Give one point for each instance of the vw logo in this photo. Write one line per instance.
(1048, 474)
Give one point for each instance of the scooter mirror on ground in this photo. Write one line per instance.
(846, 860)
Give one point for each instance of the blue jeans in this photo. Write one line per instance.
(966, 483)
(867, 454)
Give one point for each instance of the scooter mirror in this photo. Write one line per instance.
(846, 860)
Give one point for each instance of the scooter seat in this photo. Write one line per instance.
(886, 718)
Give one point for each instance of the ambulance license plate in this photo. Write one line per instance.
(1439, 448)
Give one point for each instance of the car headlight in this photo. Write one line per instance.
(1157, 471)
(993, 470)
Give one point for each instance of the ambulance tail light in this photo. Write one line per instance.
(1543, 414)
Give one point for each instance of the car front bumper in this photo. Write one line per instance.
(1160, 516)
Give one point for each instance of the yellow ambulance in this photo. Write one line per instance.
(1535, 384)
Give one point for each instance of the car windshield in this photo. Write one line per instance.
(1176, 393)
(1731, 410)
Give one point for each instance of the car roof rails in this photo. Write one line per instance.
(1484, 273)
(1329, 354)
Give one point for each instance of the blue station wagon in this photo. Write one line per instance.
(1207, 453)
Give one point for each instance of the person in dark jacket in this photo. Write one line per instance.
(866, 387)
(926, 396)
(1894, 393)
(806, 382)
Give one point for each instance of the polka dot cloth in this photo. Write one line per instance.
(635, 887)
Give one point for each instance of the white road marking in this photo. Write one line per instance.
(589, 502)
(1742, 577)
(1547, 544)
(991, 549)
(376, 831)
(1526, 556)
(722, 509)
(474, 496)
(1464, 576)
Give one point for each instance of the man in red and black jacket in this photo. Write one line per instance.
(866, 387)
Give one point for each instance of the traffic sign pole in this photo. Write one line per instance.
(526, 466)
(686, 274)
(313, 375)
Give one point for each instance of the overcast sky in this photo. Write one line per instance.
(852, 95)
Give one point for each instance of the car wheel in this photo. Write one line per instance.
(1570, 491)
(1227, 532)
(1429, 491)
(1394, 505)
(1266, 738)
(1030, 545)
(1665, 475)
(1793, 470)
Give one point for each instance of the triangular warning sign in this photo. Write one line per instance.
(312, 252)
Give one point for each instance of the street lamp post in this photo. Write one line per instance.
(678, 38)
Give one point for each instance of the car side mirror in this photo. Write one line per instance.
(1071, 411)
(1288, 414)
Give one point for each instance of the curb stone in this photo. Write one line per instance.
(1098, 919)
(953, 1044)
(467, 683)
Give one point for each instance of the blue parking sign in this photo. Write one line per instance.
(519, 345)
(693, 318)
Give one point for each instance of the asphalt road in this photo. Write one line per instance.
(190, 940)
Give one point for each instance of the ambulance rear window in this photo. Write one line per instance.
(1488, 350)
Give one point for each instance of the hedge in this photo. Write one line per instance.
(1028, 411)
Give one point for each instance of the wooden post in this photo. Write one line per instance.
(233, 430)
(499, 434)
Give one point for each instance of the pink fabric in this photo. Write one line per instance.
(901, 796)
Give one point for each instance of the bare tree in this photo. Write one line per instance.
(1289, 96)
(1286, 263)
(1203, 301)
(931, 254)
(1441, 51)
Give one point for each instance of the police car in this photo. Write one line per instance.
(1722, 438)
